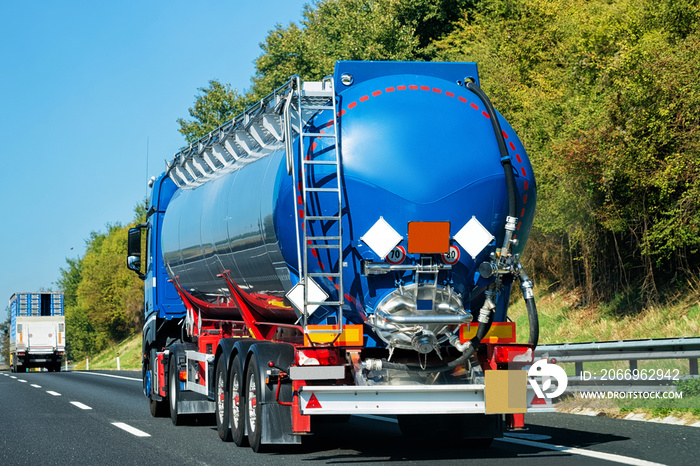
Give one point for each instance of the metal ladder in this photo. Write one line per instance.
(314, 97)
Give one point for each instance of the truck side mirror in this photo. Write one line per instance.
(133, 259)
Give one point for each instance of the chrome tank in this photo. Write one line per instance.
(416, 146)
(227, 224)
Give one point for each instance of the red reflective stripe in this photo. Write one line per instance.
(376, 93)
(364, 98)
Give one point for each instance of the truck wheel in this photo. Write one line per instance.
(253, 405)
(174, 391)
(156, 407)
(223, 399)
(237, 403)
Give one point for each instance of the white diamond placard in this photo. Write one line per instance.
(382, 238)
(316, 295)
(473, 237)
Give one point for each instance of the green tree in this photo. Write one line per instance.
(605, 98)
(334, 30)
(214, 106)
(103, 299)
(5, 338)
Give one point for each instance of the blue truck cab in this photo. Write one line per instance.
(162, 305)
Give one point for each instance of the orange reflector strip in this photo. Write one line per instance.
(183, 376)
(351, 336)
(500, 332)
(428, 237)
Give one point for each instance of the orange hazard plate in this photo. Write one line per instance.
(428, 237)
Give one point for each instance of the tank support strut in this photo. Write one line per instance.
(250, 321)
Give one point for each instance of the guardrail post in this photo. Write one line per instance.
(693, 362)
(578, 368)
(633, 364)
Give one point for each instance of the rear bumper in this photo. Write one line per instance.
(407, 399)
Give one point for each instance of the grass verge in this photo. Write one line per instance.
(129, 352)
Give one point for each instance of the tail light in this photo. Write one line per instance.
(513, 354)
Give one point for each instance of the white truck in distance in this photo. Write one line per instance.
(37, 331)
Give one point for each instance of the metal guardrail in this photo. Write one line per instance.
(624, 350)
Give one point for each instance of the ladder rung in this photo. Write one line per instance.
(323, 190)
(308, 94)
(323, 246)
(323, 274)
(318, 135)
(324, 303)
(322, 217)
(320, 162)
(323, 238)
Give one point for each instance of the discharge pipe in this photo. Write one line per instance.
(468, 349)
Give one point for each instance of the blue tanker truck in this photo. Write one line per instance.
(343, 247)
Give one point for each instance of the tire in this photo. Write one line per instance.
(222, 399)
(237, 403)
(174, 391)
(253, 409)
(158, 408)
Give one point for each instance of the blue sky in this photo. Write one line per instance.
(87, 90)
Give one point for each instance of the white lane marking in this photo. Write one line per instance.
(13, 377)
(53, 393)
(21, 380)
(580, 451)
(36, 386)
(80, 405)
(131, 430)
(109, 375)
(548, 446)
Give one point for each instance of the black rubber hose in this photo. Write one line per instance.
(534, 321)
(505, 158)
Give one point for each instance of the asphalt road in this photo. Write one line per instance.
(88, 418)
